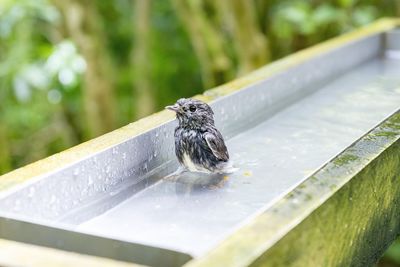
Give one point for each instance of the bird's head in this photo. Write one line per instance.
(192, 113)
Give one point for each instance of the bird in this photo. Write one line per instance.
(199, 146)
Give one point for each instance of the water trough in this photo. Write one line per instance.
(315, 136)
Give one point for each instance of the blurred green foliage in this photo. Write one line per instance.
(392, 255)
(42, 67)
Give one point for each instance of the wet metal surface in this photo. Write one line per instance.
(279, 131)
(192, 214)
(392, 40)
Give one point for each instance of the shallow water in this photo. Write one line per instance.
(192, 214)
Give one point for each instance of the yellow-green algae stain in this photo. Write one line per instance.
(344, 159)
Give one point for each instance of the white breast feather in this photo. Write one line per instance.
(189, 163)
(191, 166)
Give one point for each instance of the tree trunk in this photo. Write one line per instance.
(85, 28)
(144, 100)
(208, 43)
(398, 8)
(251, 44)
(5, 159)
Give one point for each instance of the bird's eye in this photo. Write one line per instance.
(192, 108)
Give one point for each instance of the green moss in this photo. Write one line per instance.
(301, 186)
(309, 197)
(393, 253)
(387, 134)
(333, 187)
(344, 159)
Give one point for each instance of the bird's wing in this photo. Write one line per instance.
(217, 145)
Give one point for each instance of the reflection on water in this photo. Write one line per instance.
(191, 183)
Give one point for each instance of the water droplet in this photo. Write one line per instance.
(17, 206)
(166, 134)
(90, 180)
(76, 172)
(108, 168)
(84, 192)
(53, 199)
(31, 192)
(124, 155)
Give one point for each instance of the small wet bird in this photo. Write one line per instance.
(199, 146)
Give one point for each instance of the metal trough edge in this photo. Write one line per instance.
(19, 254)
(81, 151)
(294, 227)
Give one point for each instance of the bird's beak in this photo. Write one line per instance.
(175, 107)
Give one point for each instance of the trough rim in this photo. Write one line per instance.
(77, 153)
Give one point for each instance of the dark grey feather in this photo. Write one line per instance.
(216, 144)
